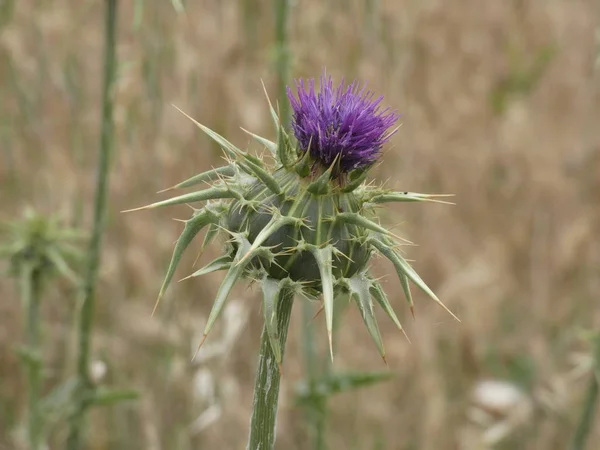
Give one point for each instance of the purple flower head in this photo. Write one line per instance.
(346, 122)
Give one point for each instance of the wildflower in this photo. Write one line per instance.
(345, 123)
(298, 230)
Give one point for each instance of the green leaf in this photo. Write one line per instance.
(357, 177)
(403, 268)
(381, 298)
(358, 220)
(322, 184)
(220, 263)
(61, 265)
(387, 197)
(358, 286)
(324, 259)
(191, 229)
(211, 233)
(406, 289)
(60, 398)
(235, 272)
(335, 383)
(210, 175)
(277, 221)
(303, 165)
(106, 396)
(265, 177)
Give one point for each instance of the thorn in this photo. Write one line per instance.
(165, 190)
(185, 278)
(406, 336)
(317, 313)
(138, 209)
(197, 257)
(329, 335)
(280, 369)
(412, 311)
(160, 295)
(198, 349)
(244, 257)
(385, 361)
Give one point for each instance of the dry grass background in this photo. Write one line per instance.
(501, 106)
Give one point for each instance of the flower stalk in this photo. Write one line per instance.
(37, 247)
(31, 287)
(268, 378)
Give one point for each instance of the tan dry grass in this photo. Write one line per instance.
(518, 258)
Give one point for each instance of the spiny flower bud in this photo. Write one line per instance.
(307, 224)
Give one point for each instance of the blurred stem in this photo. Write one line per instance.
(31, 281)
(250, 11)
(268, 377)
(85, 387)
(282, 65)
(589, 404)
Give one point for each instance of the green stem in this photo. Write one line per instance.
(85, 387)
(317, 408)
(282, 12)
(31, 281)
(589, 406)
(268, 377)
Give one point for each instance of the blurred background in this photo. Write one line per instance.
(500, 105)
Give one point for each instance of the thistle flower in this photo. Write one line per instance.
(346, 123)
(300, 227)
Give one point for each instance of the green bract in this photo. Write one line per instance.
(292, 226)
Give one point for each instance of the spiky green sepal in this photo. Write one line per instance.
(294, 225)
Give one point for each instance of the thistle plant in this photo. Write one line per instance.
(37, 248)
(304, 225)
